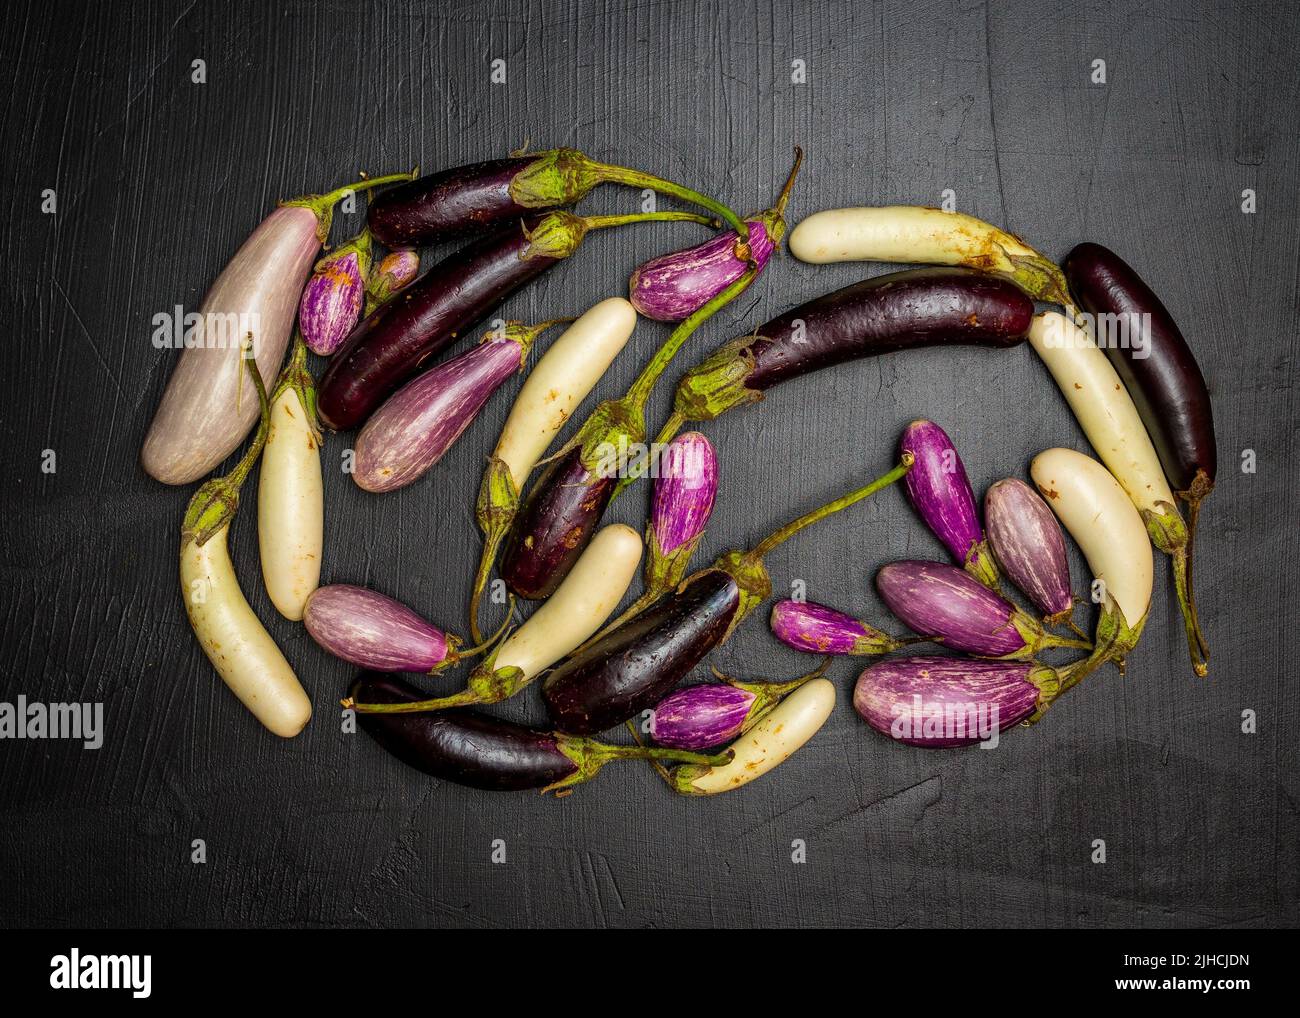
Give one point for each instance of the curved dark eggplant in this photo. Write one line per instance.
(1166, 383)
(486, 195)
(639, 663)
(555, 524)
(479, 751)
(897, 311)
(446, 302)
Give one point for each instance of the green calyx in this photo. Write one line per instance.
(717, 384)
(494, 511)
(322, 205)
(1037, 639)
(215, 503)
(1039, 278)
(751, 576)
(296, 376)
(589, 757)
(979, 564)
(608, 435)
(1171, 535)
(360, 246)
(768, 694)
(558, 234)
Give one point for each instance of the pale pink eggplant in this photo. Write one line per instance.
(943, 702)
(1030, 547)
(372, 630)
(817, 629)
(941, 494)
(674, 286)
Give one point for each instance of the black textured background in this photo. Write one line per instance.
(159, 180)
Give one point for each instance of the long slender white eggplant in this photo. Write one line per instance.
(776, 737)
(209, 406)
(1106, 412)
(290, 491)
(586, 598)
(560, 380)
(1106, 526)
(231, 635)
(926, 236)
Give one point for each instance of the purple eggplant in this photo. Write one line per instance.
(334, 296)
(941, 702)
(945, 603)
(484, 752)
(673, 286)
(632, 667)
(816, 629)
(1030, 547)
(418, 424)
(712, 714)
(371, 630)
(564, 506)
(396, 271)
(389, 346)
(941, 494)
(898, 311)
(469, 199)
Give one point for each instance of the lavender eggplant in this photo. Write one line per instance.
(451, 298)
(209, 406)
(488, 753)
(1028, 543)
(566, 503)
(713, 713)
(942, 702)
(396, 271)
(816, 629)
(418, 424)
(482, 196)
(672, 286)
(634, 666)
(370, 630)
(334, 296)
(941, 494)
(945, 603)
(898, 311)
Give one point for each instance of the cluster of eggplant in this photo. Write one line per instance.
(383, 329)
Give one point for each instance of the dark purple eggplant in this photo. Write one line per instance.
(897, 311)
(389, 346)
(484, 752)
(632, 667)
(481, 196)
(566, 503)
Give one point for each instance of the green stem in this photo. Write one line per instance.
(636, 178)
(297, 376)
(1050, 640)
(666, 434)
(323, 204)
(779, 537)
(627, 218)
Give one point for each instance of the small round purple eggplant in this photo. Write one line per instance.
(396, 271)
(418, 424)
(941, 702)
(674, 286)
(817, 629)
(714, 713)
(945, 603)
(334, 296)
(371, 630)
(941, 494)
(1030, 547)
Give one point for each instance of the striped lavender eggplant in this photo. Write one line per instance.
(714, 713)
(396, 271)
(1030, 547)
(941, 493)
(944, 603)
(333, 298)
(941, 702)
(418, 424)
(817, 629)
(374, 631)
(672, 287)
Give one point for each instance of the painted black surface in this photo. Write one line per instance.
(159, 180)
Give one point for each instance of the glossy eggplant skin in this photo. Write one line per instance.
(634, 667)
(897, 311)
(447, 204)
(554, 526)
(441, 306)
(1166, 386)
(463, 746)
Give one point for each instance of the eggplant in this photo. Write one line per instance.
(1030, 547)
(479, 751)
(632, 667)
(482, 196)
(897, 311)
(941, 494)
(371, 630)
(943, 702)
(817, 629)
(945, 603)
(447, 301)
(397, 270)
(334, 296)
